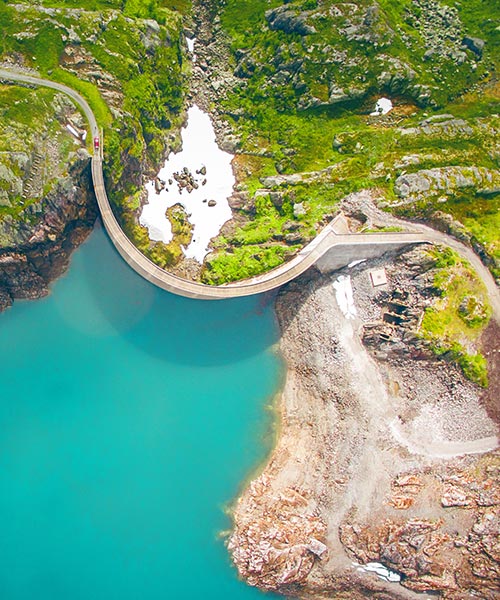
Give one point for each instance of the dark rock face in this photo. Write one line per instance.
(34, 254)
(474, 44)
(289, 21)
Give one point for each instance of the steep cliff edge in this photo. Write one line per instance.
(47, 204)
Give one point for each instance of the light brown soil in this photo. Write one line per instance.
(491, 349)
(351, 427)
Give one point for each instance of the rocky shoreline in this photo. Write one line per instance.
(382, 458)
(42, 250)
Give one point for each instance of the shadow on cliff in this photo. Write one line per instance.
(169, 327)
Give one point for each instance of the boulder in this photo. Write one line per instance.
(299, 210)
(475, 44)
(285, 19)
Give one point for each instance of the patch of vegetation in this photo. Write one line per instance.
(455, 321)
(243, 262)
(125, 57)
(302, 102)
(89, 91)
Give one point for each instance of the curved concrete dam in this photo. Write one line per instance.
(329, 249)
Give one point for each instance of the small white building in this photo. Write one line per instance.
(378, 277)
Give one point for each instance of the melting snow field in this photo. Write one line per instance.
(199, 149)
(190, 44)
(383, 106)
(381, 571)
(344, 295)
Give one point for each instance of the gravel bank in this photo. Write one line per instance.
(352, 426)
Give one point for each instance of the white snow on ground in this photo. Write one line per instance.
(356, 262)
(73, 131)
(383, 106)
(190, 44)
(199, 148)
(344, 295)
(380, 571)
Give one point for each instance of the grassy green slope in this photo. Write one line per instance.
(283, 111)
(130, 69)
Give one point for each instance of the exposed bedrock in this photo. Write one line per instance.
(379, 460)
(36, 251)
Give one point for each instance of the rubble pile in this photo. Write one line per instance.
(185, 180)
(281, 546)
(457, 551)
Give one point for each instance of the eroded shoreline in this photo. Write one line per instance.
(368, 467)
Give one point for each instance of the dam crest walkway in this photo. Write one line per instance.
(330, 249)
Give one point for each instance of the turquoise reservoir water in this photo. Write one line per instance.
(128, 418)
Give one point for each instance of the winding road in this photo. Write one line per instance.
(348, 246)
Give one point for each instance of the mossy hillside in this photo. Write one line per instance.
(282, 129)
(356, 151)
(131, 8)
(455, 321)
(32, 124)
(411, 48)
(126, 59)
(243, 262)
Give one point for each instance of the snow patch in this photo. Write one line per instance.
(382, 107)
(344, 295)
(380, 570)
(73, 131)
(190, 44)
(356, 262)
(199, 149)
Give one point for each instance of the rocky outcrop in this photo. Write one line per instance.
(445, 180)
(456, 554)
(36, 250)
(475, 44)
(359, 472)
(284, 18)
(445, 125)
(279, 549)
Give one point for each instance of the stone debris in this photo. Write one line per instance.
(432, 556)
(187, 181)
(282, 544)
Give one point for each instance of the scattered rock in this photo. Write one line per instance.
(185, 181)
(288, 20)
(475, 44)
